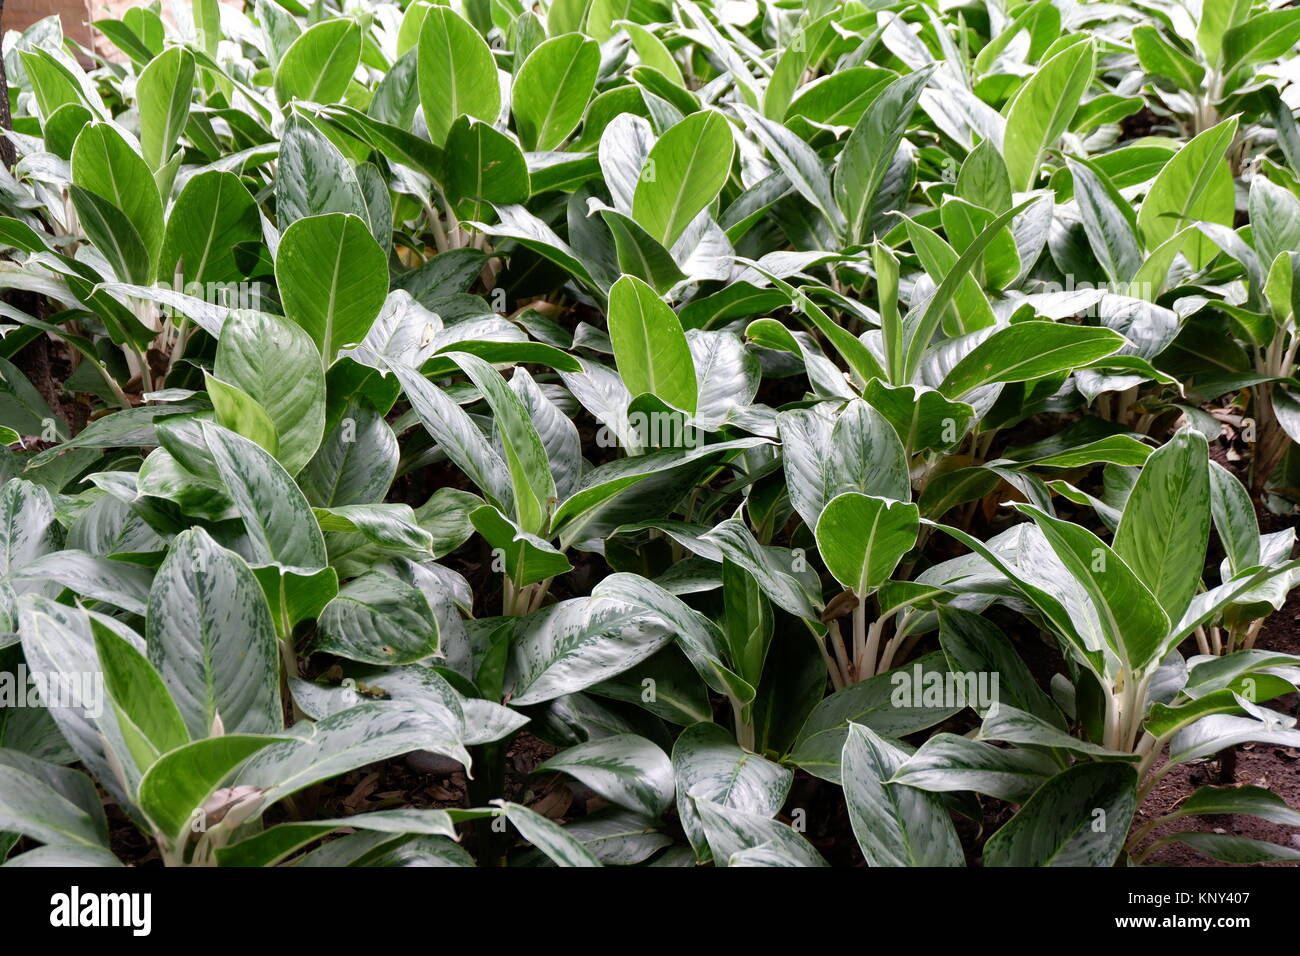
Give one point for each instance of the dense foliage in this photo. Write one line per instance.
(890, 395)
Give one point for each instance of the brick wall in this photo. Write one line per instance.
(20, 14)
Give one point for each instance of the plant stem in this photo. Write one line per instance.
(873, 648)
(487, 784)
(538, 595)
(841, 654)
(1252, 632)
(744, 727)
(862, 664)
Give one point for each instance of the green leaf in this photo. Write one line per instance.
(859, 358)
(1115, 449)
(178, 784)
(652, 51)
(238, 411)
(882, 703)
(1107, 224)
(1234, 519)
(360, 735)
(458, 436)
(1251, 801)
(378, 619)
(1227, 848)
(319, 64)
(551, 89)
(276, 843)
(210, 634)
(641, 255)
(207, 25)
(549, 837)
(624, 769)
(53, 84)
(649, 345)
(747, 621)
(276, 364)
(1159, 56)
(975, 645)
(734, 835)
(333, 279)
(923, 320)
(569, 646)
(119, 583)
(1007, 724)
(800, 164)
(31, 807)
(922, 417)
(113, 234)
(280, 525)
(1216, 732)
(1080, 817)
(530, 472)
(1194, 185)
(528, 558)
(104, 163)
(983, 178)
(698, 637)
(862, 538)
(1131, 618)
(355, 463)
(970, 309)
(963, 221)
(70, 856)
(683, 173)
(1042, 110)
(28, 529)
(213, 214)
(948, 763)
(869, 150)
(163, 92)
(859, 451)
(484, 166)
(1041, 20)
(312, 177)
(1274, 218)
(603, 488)
(1217, 18)
(520, 225)
(895, 825)
(708, 765)
(390, 526)
(57, 640)
(1026, 351)
(775, 569)
(1165, 528)
(138, 693)
(457, 74)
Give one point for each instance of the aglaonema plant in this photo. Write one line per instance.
(1133, 696)
(681, 393)
(185, 726)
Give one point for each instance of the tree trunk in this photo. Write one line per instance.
(6, 121)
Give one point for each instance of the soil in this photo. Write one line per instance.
(1138, 125)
